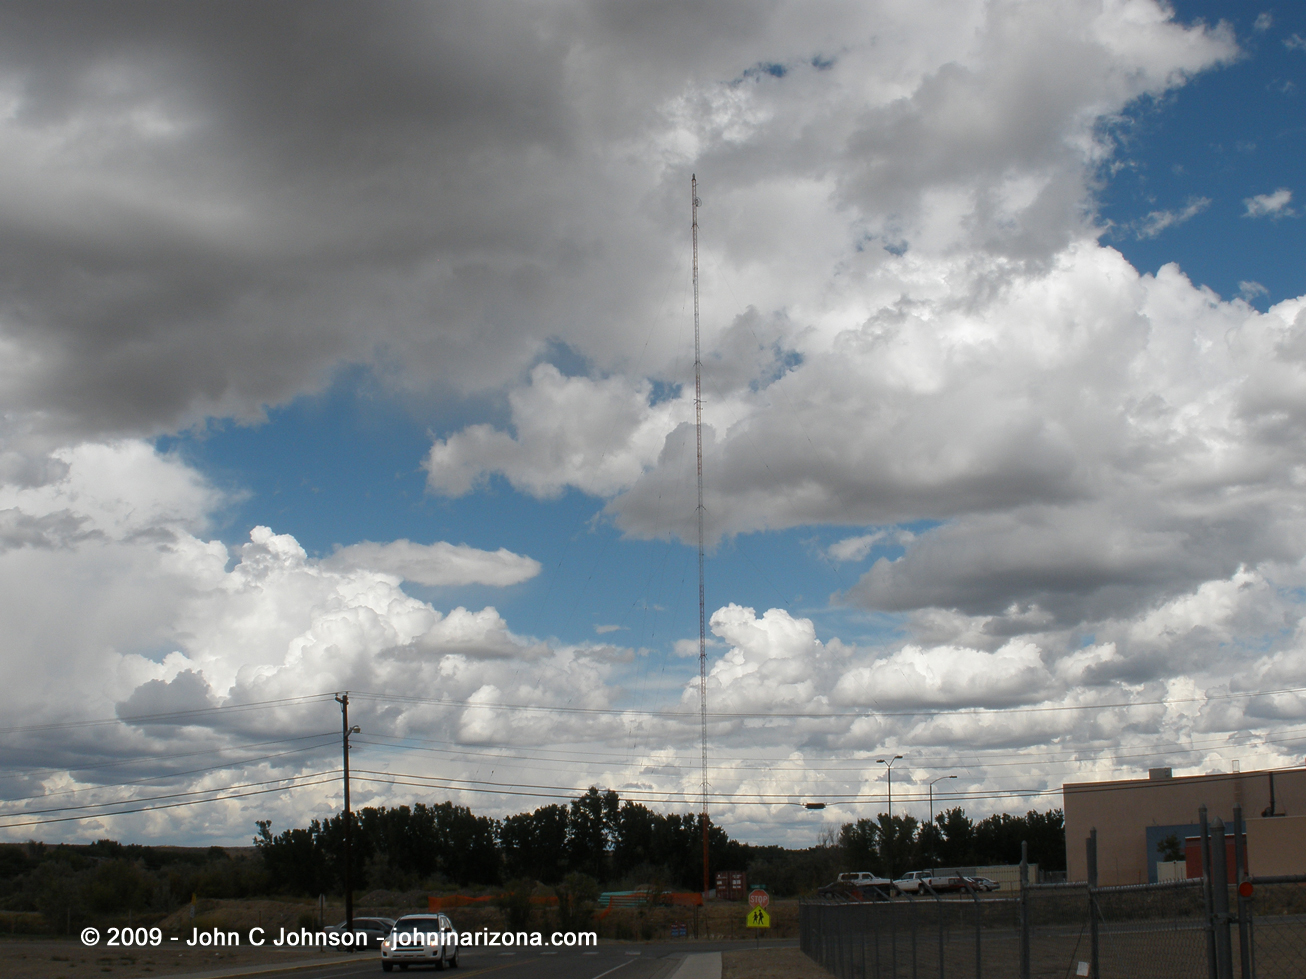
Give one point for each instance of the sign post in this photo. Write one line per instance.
(758, 900)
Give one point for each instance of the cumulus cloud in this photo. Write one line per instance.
(1269, 205)
(437, 564)
(1158, 221)
(856, 548)
(237, 660)
(948, 676)
(570, 431)
(908, 319)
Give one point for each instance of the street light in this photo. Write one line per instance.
(939, 779)
(893, 835)
(889, 767)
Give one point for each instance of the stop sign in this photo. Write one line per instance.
(758, 898)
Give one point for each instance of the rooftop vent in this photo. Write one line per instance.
(1157, 774)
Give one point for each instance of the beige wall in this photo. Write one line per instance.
(1122, 811)
(1276, 846)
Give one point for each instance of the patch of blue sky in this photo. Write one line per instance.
(772, 68)
(663, 391)
(345, 466)
(1187, 166)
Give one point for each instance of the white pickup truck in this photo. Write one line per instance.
(938, 883)
(861, 886)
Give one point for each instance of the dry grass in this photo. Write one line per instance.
(64, 959)
(770, 963)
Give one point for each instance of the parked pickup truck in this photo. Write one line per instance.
(938, 883)
(858, 887)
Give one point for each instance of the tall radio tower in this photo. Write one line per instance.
(702, 607)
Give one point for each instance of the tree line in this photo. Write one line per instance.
(597, 835)
(891, 847)
(597, 838)
(618, 842)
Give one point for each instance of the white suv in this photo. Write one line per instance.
(421, 939)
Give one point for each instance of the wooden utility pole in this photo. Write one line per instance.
(343, 701)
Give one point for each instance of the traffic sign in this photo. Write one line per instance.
(758, 918)
(758, 898)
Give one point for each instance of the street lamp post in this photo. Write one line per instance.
(939, 779)
(889, 767)
(888, 764)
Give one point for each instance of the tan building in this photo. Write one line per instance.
(1134, 815)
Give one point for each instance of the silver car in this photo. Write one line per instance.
(375, 929)
(421, 939)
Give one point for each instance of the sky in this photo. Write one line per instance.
(350, 348)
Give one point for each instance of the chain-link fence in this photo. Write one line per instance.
(1275, 925)
(911, 936)
(1184, 929)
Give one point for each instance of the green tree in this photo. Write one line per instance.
(535, 844)
(576, 895)
(592, 824)
(515, 902)
(956, 846)
(860, 844)
(1170, 848)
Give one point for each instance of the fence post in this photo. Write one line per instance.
(943, 934)
(879, 922)
(979, 923)
(1206, 889)
(1024, 910)
(1220, 900)
(915, 918)
(1091, 847)
(1244, 906)
(893, 945)
(861, 935)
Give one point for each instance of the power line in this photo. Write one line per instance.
(170, 795)
(196, 712)
(169, 775)
(19, 772)
(1020, 758)
(828, 714)
(645, 712)
(330, 777)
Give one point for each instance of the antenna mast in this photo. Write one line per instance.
(702, 607)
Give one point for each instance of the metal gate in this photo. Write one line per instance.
(1201, 927)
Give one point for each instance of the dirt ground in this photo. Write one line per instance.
(770, 963)
(63, 959)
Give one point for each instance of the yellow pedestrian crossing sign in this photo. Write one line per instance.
(758, 918)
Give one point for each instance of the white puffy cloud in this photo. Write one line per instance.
(907, 315)
(153, 620)
(437, 564)
(1269, 205)
(599, 436)
(1158, 221)
(948, 676)
(856, 548)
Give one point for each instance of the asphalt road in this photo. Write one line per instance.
(618, 961)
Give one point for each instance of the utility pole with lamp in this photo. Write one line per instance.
(893, 837)
(939, 779)
(343, 701)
